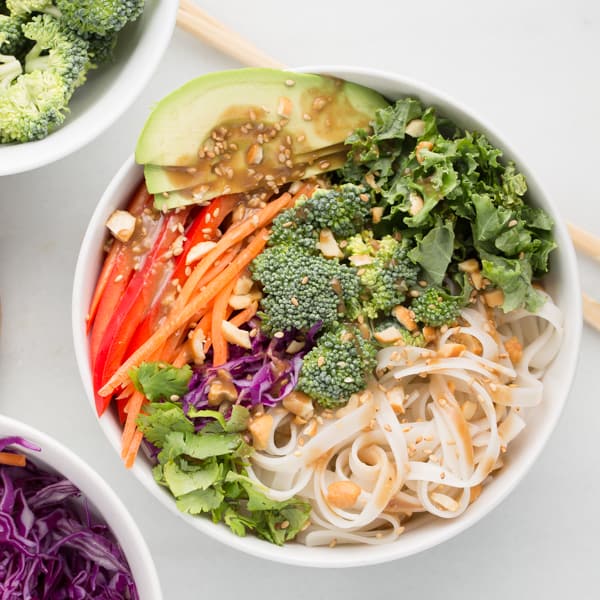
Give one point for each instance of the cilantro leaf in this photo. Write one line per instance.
(158, 380)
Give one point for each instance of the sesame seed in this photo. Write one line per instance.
(301, 138)
(118, 278)
(294, 301)
(324, 164)
(304, 280)
(174, 397)
(278, 334)
(289, 82)
(307, 117)
(348, 379)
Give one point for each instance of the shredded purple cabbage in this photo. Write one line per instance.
(50, 547)
(265, 374)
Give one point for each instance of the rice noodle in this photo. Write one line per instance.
(423, 437)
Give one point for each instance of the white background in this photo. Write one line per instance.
(529, 68)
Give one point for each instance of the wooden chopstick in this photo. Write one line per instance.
(194, 20)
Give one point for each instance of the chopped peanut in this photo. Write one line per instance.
(343, 494)
(299, 404)
(405, 317)
(198, 251)
(415, 128)
(419, 148)
(328, 245)
(430, 334)
(416, 204)
(121, 224)
(243, 285)
(389, 335)
(476, 279)
(284, 107)
(221, 391)
(451, 350)
(360, 260)
(469, 266)
(239, 302)
(515, 349)
(197, 340)
(235, 335)
(254, 155)
(377, 213)
(494, 298)
(260, 428)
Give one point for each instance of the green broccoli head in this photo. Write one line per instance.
(344, 210)
(25, 7)
(57, 49)
(32, 106)
(337, 367)
(301, 290)
(386, 273)
(99, 17)
(435, 307)
(12, 41)
(101, 48)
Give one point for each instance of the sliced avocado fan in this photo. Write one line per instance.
(240, 130)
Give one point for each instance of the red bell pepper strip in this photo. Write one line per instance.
(203, 228)
(114, 278)
(135, 302)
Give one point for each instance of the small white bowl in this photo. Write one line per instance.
(563, 285)
(103, 500)
(109, 91)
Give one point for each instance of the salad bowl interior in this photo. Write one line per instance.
(423, 533)
(107, 93)
(103, 502)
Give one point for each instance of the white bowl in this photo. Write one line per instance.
(103, 500)
(109, 91)
(562, 284)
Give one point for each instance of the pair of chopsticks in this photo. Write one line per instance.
(193, 19)
(587, 244)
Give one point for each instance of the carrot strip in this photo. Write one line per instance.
(12, 460)
(233, 235)
(107, 269)
(177, 319)
(245, 315)
(133, 409)
(219, 343)
(133, 449)
(183, 357)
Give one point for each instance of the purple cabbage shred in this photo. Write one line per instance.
(265, 374)
(50, 546)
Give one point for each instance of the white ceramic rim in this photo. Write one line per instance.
(100, 494)
(122, 92)
(296, 554)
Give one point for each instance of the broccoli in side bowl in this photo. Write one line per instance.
(46, 51)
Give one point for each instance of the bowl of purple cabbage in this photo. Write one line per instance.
(63, 532)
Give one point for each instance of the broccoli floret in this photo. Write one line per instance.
(25, 7)
(57, 49)
(435, 307)
(99, 17)
(301, 290)
(337, 367)
(31, 107)
(344, 210)
(386, 273)
(101, 48)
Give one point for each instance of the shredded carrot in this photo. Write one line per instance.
(129, 457)
(232, 236)
(177, 319)
(12, 460)
(219, 343)
(183, 357)
(245, 315)
(134, 407)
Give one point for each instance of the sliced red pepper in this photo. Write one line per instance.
(114, 278)
(135, 302)
(203, 228)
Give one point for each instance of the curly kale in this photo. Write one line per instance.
(436, 307)
(385, 270)
(301, 290)
(337, 367)
(344, 210)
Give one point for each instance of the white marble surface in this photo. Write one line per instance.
(530, 68)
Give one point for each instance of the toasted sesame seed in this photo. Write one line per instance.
(294, 301)
(321, 361)
(289, 82)
(278, 334)
(324, 164)
(307, 117)
(174, 397)
(118, 278)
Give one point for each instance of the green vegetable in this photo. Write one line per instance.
(450, 192)
(435, 307)
(344, 210)
(386, 280)
(301, 289)
(206, 472)
(158, 380)
(337, 367)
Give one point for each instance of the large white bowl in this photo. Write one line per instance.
(103, 500)
(563, 284)
(109, 91)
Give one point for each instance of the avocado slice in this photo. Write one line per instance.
(203, 194)
(166, 179)
(231, 112)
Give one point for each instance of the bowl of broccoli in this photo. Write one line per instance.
(68, 70)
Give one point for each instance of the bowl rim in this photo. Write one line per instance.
(319, 557)
(103, 112)
(93, 486)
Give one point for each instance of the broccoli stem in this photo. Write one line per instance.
(10, 69)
